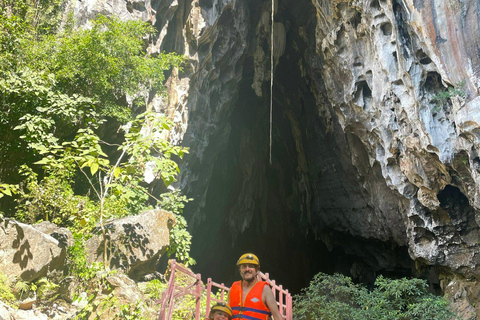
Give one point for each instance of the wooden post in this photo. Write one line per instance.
(168, 294)
(222, 292)
(280, 298)
(209, 291)
(198, 295)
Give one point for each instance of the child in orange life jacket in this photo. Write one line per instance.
(251, 298)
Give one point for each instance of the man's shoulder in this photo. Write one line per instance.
(237, 283)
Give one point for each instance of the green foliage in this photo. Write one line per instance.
(53, 84)
(94, 282)
(46, 289)
(53, 94)
(62, 90)
(337, 297)
(8, 189)
(51, 199)
(105, 62)
(180, 238)
(104, 305)
(154, 289)
(28, 93)
(41, 16)
(77, 263)
(22, 23)
(43, 288)
(108, 307)
(29, 105)
(180, 241)
(131, 312)
(86, 311)
(443, 97)
(12, 30)
(6, 293)
(116, 182)
(23, 288)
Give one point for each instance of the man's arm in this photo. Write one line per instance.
(271, 303)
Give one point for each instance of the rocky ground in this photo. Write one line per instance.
(36, 256)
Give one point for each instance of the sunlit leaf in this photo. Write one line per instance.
(94, 168)
(43, 161)
(117, 171)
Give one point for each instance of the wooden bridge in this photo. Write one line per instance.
(196, 289)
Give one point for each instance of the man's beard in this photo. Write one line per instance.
(250, 279)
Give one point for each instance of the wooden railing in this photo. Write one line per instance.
(196, 288)
(283, 297)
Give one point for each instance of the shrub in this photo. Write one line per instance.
(154, 289)
(443, 97)
(6, 294)
(336, 297)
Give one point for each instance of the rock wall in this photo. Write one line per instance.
(387, 63)
(376, 128)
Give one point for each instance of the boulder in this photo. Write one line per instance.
(63, 235)
(134, 244)
(125, 289)
(26, 252)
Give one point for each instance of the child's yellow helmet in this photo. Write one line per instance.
(221, 306)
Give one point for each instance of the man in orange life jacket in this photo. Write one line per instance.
(251, 298)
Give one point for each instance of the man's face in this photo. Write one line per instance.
(248, 271)
(220, 315)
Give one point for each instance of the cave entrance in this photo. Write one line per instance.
(304, 213)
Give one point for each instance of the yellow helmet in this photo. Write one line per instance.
(221, 306)
(248, 258)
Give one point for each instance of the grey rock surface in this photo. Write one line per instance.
(26, 252)
(63, 235)
(134, 244)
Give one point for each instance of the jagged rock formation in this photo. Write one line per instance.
(376, 128)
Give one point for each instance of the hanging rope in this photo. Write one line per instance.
(271, 79)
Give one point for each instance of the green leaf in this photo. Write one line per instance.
(6, 191)
(117, 171)
(43, 161)
(94, 168)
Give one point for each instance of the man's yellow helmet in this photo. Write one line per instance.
(221, 306)
(249, 258)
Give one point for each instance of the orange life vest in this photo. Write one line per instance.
(254, 308)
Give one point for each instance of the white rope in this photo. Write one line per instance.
(271, 79)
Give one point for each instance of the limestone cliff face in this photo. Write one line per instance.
(376, 132)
